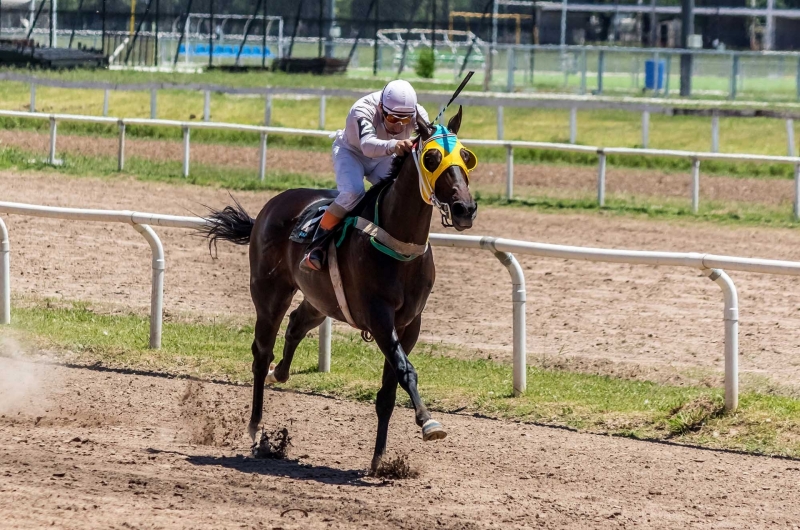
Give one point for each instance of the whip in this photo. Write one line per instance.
(455, 94)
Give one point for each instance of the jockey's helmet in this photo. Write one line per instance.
(398, 98)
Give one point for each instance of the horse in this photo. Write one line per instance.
(385, 292)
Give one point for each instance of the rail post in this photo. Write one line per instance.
(153, 103)
(322, 105)
(601, 62)
(51, 159)
(105, 102)
(5, 275)
(262, 157)
(509, 171)
(33, 97)
(268, 110)
(157, 285)
(121, 147)
(207, 105)
(511, 63)
(645, 128)
(715, 132)
(731, 318)
(324, 354)
(518, 298)
(601, 178)
(797, 192)
(790, 151)
(734, 75)
(573, 125)
(695, 185)
(185, 151)
(583, 72)
(500, 123)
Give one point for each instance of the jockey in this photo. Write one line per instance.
(377, 129)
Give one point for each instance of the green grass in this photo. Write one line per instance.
(234, 178)
(768, 424)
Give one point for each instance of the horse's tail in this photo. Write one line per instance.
(232, 223)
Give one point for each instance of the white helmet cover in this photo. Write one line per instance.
(399, 98)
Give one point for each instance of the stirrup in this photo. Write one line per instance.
(309, 265)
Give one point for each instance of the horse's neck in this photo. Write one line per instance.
(403, 213)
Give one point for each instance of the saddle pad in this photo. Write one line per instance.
(304, 230)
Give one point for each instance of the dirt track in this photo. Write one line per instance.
(88, 449)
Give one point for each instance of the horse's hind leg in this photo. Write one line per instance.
(301, 321)
(271, 300)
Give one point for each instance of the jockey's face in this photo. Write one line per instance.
(393, 123)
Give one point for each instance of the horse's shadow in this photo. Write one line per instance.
(287, 468)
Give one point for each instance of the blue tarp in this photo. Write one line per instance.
(225, 50)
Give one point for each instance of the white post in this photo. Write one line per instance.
(797, 192)
(185, 151)
(511, 60)
(5, 275)
(322, 101)
(157, 286)
(262, 158)
(153, 98)
(105, 102)
(499, 123)
(695, 185)
(715, 133)
(769, 41)
(207, 106)
(731, 317)
(573, 125)
(645, 128)
(324, 356)
(268, 110)
(33, 97)
(790, 151)
(121, 147)
(601, 178)
(53, 131)
(509, 172)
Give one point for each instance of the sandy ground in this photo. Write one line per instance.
(652, 322)
(87, 449)
(558, 181)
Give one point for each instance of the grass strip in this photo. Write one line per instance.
(764, 424)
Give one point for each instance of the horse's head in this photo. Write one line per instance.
(444, 165)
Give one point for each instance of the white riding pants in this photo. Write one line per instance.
(350, 168)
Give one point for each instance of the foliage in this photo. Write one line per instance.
(426, 63)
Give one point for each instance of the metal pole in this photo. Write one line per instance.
(583, 71)
(105, 102)
(734, 75)
(5, 275)
(322, 105)
(33, 97)
(262, 158)
(769, 41)
(207, 105)
(211, 34)
(509, 172)
(157, 285)
(731, 318)
(155, 20)
(797, 192)
(324, 356)
(790, 151)
(601, 178)
(715, 133)
(563, 40)
(53, 128)
(511, 64)
(53, 23)
(601, 62)
(375, 45)
(645, 128)
(687, 28)
(695, 185)
(121, 147)
(152, 103)
(264, 29)
(499, 123)
(185, 151)
(268, 110)
(573, 125)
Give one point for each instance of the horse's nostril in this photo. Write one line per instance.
(459, 209)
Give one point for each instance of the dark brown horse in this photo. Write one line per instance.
(385, 296)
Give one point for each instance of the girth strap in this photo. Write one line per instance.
(338, 286)
(408, 250)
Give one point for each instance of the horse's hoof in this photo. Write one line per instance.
(252, 430)
(376, 463)
(271, 379)
(433, 430)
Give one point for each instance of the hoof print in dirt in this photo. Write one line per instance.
(396, 468)
(273, 446)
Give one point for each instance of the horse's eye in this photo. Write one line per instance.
(432, 159)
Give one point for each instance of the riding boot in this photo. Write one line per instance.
(317, 254)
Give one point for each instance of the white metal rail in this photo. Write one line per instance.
(711, 265)
(509, 145)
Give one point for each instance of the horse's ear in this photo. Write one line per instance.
(455, 122)
(423, 128)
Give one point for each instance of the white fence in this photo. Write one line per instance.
(509, 145)
(709, 264)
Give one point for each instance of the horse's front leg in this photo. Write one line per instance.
(387, 340)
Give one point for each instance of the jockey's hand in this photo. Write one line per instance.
(402, 147)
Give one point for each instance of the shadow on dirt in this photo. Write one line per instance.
(287, 468)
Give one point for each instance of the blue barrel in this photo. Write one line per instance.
(654, 74)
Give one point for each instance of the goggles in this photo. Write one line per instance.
(395, 119)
